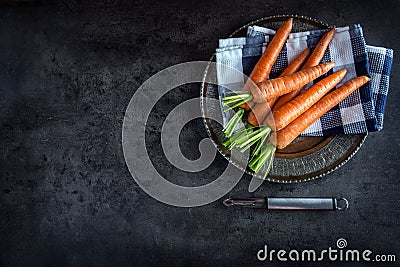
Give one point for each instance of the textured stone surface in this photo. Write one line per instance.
(68, 71)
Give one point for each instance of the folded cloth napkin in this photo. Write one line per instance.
(361, 112)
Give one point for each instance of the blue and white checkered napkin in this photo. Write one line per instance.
(361, 112)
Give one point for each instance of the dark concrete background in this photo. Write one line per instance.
(68, 71)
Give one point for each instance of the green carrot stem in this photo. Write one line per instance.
(249, 126)
(231, 142)
(255, 161)
(249, 145)
(228, 102)
(238, 100)
(258, 147)
(241, 134)
(257, 136)
(244, 138)
(241, 96)
(268, 168)
(232, 123)
(267, 154)
(234, 92)
(227, 142)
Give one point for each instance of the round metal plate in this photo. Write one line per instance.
(306, 158)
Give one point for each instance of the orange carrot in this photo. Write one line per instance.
(312, 61)
(264, 65)
(295, 107)
(320, 49)
(285, 136)
(283, 85)
(297, 63)
(261, 110)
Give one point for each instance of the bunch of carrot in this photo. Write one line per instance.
(277, 108)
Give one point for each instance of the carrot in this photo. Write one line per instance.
(261, 110)
(297, 63)
(320, 49)
(285, 136)
(295, 107)
(283, 85)
(312, 61)
(264, 65)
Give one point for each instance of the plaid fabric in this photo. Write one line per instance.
(361, 112)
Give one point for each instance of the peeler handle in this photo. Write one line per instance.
(301, 203)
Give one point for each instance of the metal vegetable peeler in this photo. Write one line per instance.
(289, 203)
